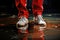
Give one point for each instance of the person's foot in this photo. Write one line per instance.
(40, 21)
(22, 24)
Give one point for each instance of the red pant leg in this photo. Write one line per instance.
(37, 7)
(21, 6)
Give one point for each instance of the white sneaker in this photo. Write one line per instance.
(22, 24)
(40, 21)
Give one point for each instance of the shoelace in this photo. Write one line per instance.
(40, 18)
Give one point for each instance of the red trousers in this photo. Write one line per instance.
(37, 7)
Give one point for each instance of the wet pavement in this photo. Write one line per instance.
(52, 34)
(10, 33)
(8, 29)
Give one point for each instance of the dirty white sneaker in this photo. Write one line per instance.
(22, 24)
(39, 20)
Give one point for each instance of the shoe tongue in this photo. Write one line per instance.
(40, 17)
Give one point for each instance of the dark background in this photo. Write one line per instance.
(50, 6)
(9, 5)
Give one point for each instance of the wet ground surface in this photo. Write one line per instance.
(8, 29)
(10, 33)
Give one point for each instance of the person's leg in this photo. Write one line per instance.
(21, 6)
(37, 8)
(22, 24)
(23, 14)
